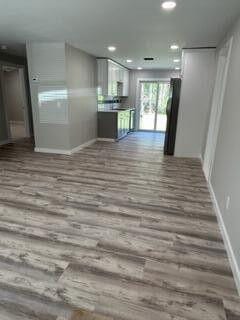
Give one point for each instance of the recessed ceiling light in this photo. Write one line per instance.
(169, 5)
(112, 48)
(139, 68)
(176, 60)
(129, 60)
(177, 68)
(174, 47)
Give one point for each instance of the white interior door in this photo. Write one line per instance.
(216, 111)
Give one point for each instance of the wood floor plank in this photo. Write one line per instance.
(114, 262)
(29, 259)
(115, 231)
(159, 298)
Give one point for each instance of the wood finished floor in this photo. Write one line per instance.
(116, 229)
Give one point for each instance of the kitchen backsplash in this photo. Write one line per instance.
(111, 104)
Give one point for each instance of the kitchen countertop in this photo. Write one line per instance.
(114, 110)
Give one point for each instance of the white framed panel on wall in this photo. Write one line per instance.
(217, 105)
(48, 61)
(53, 104)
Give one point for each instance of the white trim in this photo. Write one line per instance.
(56, 151)
(5, 142)
(3, 91)
(26, 107)
(82, 146)
(216, 108)
(65, 152)
(106, 139)
(227, 242)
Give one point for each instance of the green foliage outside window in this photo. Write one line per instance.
(149, 97)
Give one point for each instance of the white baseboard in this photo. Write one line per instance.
(227, 242)
(5, 142)
(65, 152)
(82, 146)
(106, 139)
(56, 151)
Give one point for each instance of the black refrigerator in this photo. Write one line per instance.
(172, 116)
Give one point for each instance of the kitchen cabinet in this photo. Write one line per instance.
(125, 83)
(103, 76)
(113, 125)
(123, 123)
(113, 79)
(121, 71)
(113, 75)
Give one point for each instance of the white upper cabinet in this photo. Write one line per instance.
(125, 82)
(121, 74)
(103, 77)
(113, 79)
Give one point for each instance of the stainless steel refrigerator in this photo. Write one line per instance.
(172, 116)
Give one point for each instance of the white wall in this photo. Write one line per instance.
(58, 66)
(198, 74)
(46, 65)
(13, 96)
(81, 71)
(225, 178)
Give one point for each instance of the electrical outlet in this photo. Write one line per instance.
(228, 202)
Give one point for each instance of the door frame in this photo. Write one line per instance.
(138, 98)
(217, 105)
(4, 102)
(24, 93)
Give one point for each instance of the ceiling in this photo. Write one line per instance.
(138, 28)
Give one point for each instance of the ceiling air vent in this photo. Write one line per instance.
(148, 59)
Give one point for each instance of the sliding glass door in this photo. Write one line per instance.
(153, 103)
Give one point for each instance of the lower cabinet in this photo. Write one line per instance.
(123, 123)
(113, 125)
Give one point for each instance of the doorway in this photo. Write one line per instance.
(15, 102)
(154, 97)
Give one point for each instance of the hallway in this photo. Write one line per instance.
(116, 229)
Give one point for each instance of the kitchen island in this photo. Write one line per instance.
(114, 124)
